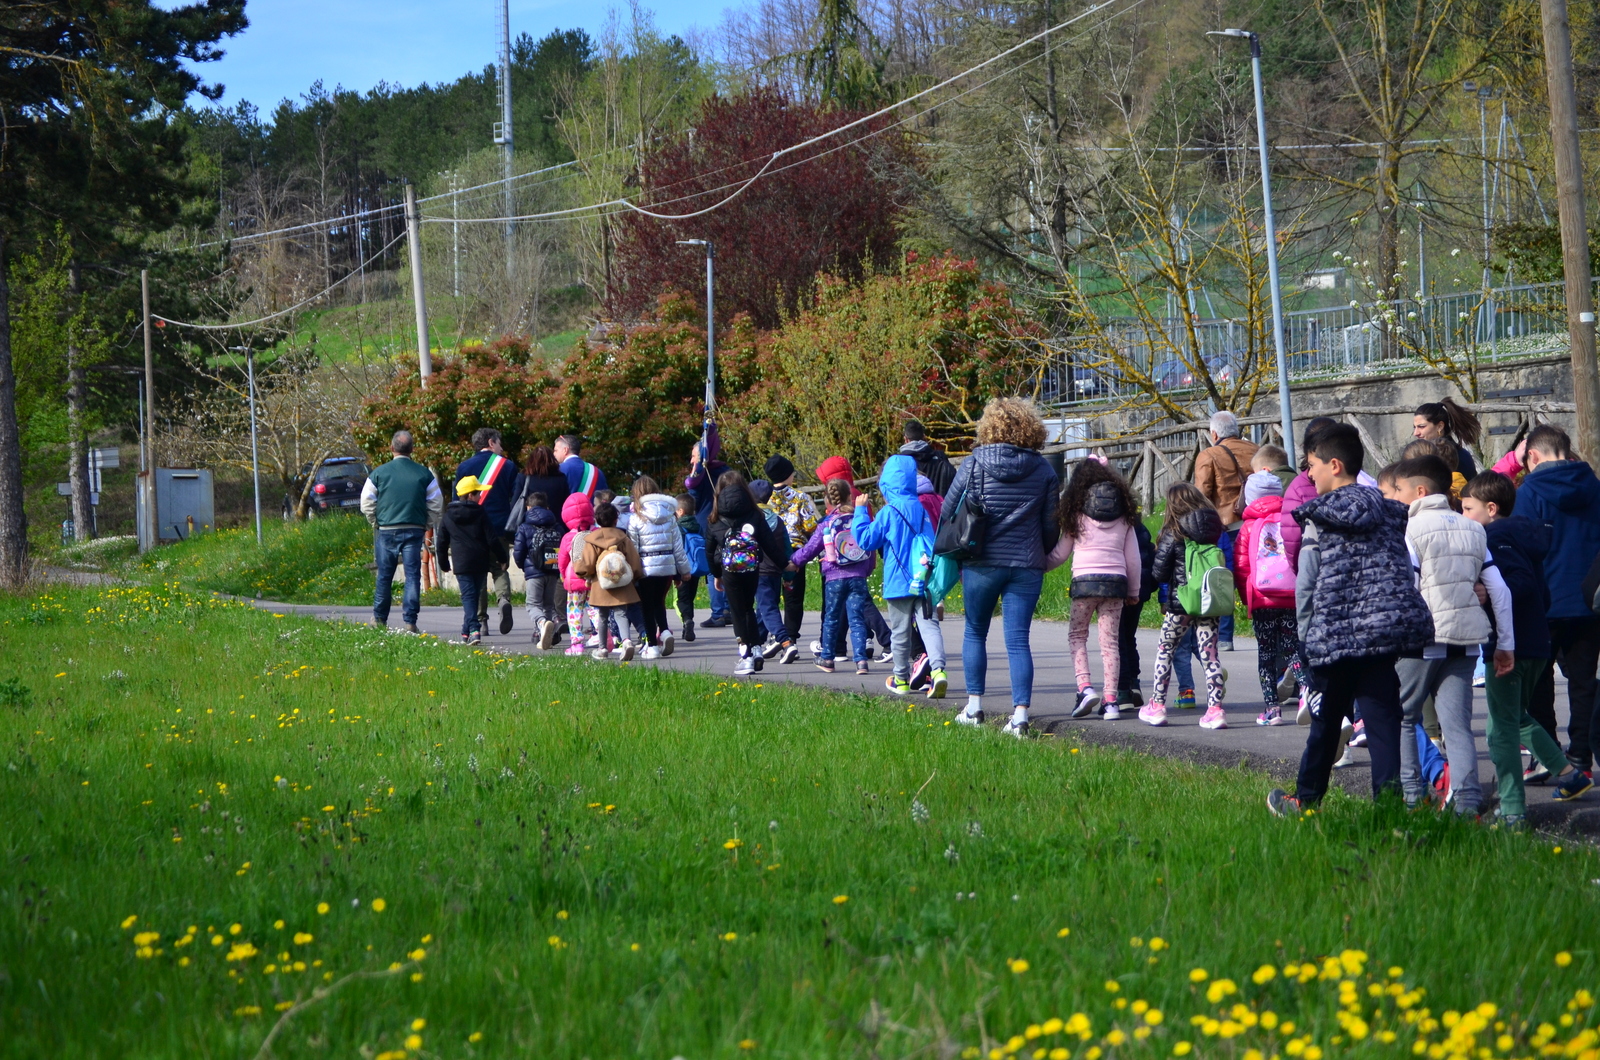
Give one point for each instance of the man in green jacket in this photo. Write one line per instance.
(401, 500)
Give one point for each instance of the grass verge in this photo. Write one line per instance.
(215, 814)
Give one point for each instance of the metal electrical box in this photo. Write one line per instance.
(184, 502)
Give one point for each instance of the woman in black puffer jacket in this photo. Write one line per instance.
(1016, 490)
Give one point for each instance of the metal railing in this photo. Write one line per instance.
(1484, 326)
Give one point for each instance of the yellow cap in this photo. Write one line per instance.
(470, 484)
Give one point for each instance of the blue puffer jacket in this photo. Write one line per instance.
(1018, 490)
(900, 525)
(1519, 545)
(1365, 600)
(1565, 495)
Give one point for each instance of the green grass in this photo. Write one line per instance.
(315, 561)
(580, 860)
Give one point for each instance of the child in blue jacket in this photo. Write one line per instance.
(903, 533)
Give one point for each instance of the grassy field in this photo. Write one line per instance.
(227, 826)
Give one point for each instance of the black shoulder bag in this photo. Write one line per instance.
(963, 525)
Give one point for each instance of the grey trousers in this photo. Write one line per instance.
(546, 598)
(903, 611)
(1449, 682)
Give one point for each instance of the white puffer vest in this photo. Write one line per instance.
(655, 533)
(1450, 549)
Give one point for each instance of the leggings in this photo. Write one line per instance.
(653, 599)
(1110, 609)
(1277, 649)
(577, 603)
(740, 590)
(1173, 627)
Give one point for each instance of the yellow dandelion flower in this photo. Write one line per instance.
(379, 905)
(1116, 1037)
(413, 1042)
(129, 922)
(1154, 1017)
(1182, 1048)
(1063, 933)
(747, 1044)
(322, 908)
(1563, 959)
(1199, 975)
(301, 938)
(419, 1024)
(1158, 944)
(475, 1036)
(840, 899)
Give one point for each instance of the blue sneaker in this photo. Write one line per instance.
(1573, 785)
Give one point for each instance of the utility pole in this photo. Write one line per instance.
(255, 456)
(147, 481)
(502, 136)
(414, 241)
(711, 317)
(77, 398)
(1285, 415)
(1574, 223)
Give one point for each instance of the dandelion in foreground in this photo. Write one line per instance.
(841, 899)
(1563, 959)
(379, 905)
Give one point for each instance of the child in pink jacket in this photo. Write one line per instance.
(1264, 562)
(577, 512)
(1096, 515)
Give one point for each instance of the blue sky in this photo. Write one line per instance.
(358, 43)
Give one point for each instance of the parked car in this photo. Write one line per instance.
(336, 487)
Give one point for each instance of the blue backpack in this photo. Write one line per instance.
(695, 546)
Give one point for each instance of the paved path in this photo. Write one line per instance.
(1274, 750)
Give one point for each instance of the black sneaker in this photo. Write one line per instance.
(1130, 697)
(1573, 785)
(714, 622)
(790, 654)
(1282, 804)
(755, 657)
(772, 647)
(505, 618)
(1088, 699)
(688, 632)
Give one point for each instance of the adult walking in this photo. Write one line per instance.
(1452, 424)
(1219, 472)
(705, 471)
(401, 499)
(582, 476)
(930, 459)
(1014, 488)
(1562, 492)
(500, 483)
(542, 474)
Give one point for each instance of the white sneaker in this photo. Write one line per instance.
(1016, 728)
(600, 654)
(650, 651)
(667, 645)
(1303, 715)
(816, 648)
(747, 664)
(1111, 712)
(593, 641)
(974, 720)
(547, 635)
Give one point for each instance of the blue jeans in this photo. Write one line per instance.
(1017, 589)
(845, 599)
(1225, 625)
(719, 601)
(471, 586)
(394, 548)
(769, 608)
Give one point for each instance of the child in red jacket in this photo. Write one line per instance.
(1264, 571)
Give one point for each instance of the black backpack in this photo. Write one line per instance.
(544, 547)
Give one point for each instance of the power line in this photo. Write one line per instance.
(282, 312)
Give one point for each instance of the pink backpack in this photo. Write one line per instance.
(1271, 569)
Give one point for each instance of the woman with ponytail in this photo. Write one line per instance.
(1449, 422)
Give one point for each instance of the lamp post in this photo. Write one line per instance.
(1285, 415)
(711, 339)
(255, 459)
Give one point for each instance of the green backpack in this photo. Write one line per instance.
(1208, 590)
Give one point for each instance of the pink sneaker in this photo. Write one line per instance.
(576, 648)
(1214, 719)
(1153, 714)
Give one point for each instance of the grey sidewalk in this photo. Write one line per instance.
(1273, 750)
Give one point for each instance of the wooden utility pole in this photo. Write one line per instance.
(1574, 224)
(149, 531)
(414, 242)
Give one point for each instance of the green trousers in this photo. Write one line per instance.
(1511, 727)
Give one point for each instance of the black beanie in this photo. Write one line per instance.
(779, 469)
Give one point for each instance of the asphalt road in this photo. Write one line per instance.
(1271, 750)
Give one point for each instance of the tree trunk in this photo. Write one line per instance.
(77, 437)
(1387, 287)
(13, 518)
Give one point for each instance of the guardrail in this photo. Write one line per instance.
(1495, 325)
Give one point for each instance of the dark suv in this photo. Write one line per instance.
(337, 487)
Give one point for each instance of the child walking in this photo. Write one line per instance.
(1191, 522)
(468, 544)
(1450, 554)
(1358, 608)
(1096, 514)
(845, 566)
(611, 565)
(1518, 545)
(1263, 569)
(903, 533)
(694, 547)
(537, 550)
(654, 531)
(577, 512)
(740, 539)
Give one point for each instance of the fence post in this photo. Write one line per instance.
(1149, 475)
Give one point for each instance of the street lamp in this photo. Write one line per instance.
(1272, 236)
(711, 340)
